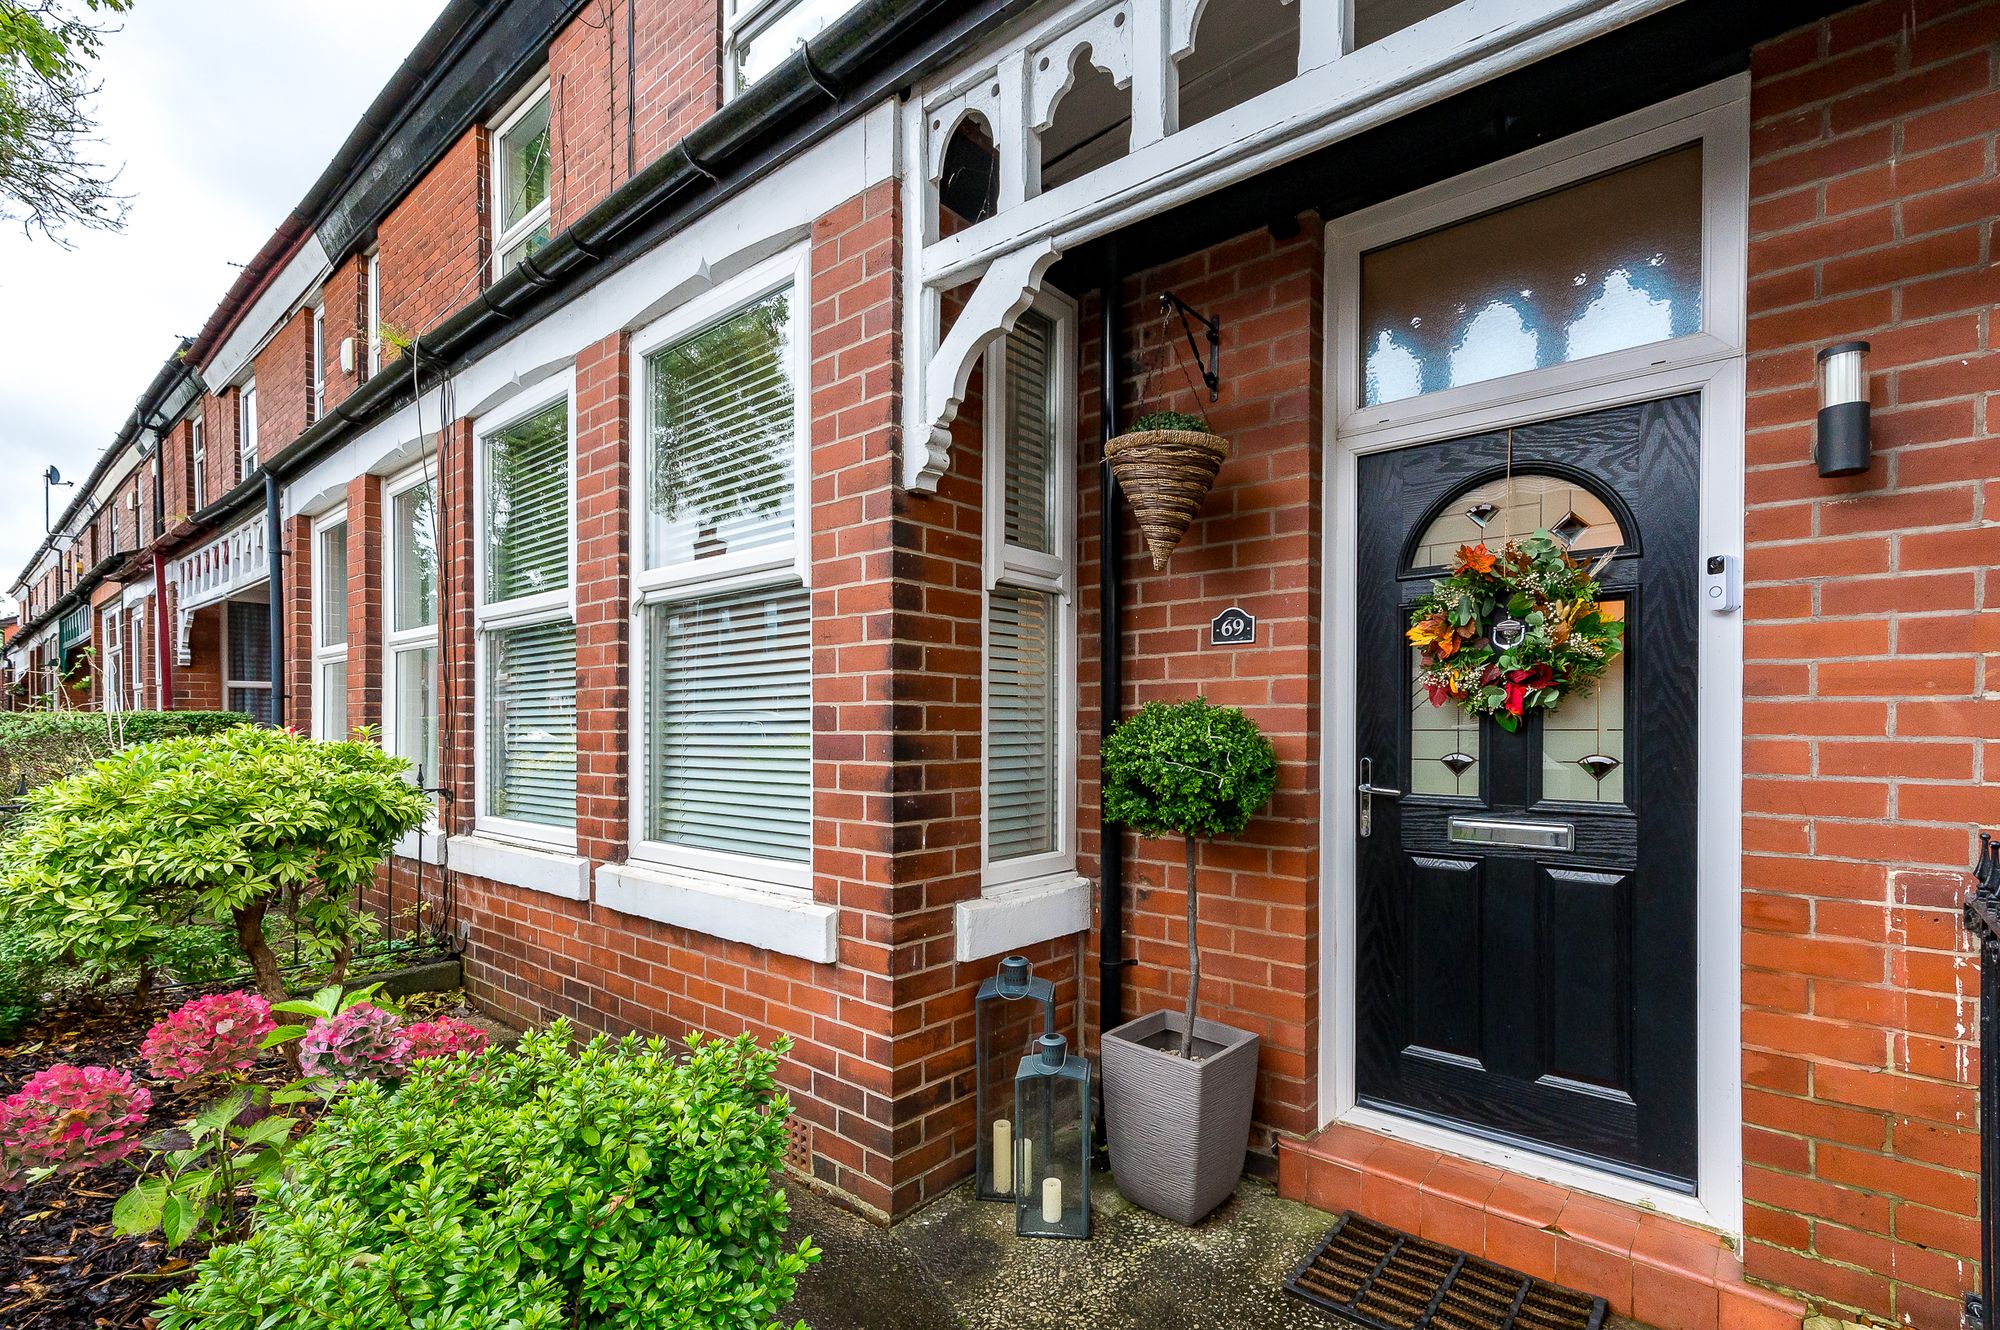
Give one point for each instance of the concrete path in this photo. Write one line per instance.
(956, 1265)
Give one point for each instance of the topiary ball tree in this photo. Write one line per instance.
(1193, 770)
(106, 864)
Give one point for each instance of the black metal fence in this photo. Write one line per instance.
(1982, 920)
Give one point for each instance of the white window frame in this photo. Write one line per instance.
(323, 652)
(135, 653)
(316, 380)
(746, 20)
(557, 606)
(112, 685)
(246, 427)
(1032, 570)
(394, 641)
(198, 458)
(778, 565)
(230, 683)
(373, 332)
(538, 215)
(1709, 362)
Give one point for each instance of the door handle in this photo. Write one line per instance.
(1366, 793)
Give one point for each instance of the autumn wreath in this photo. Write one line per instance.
(1514, 632)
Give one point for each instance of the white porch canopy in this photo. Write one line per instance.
(233, 562)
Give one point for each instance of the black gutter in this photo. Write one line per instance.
(1111, 960)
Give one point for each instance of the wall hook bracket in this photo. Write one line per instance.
(1211, 365)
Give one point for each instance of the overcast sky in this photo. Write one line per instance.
(223, 113)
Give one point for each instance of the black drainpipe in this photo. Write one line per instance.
(274, 546)
(1110, 644)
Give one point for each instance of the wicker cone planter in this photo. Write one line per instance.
(1166, 474)
(1178, 1129)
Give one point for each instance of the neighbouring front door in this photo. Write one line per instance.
(1525, 902)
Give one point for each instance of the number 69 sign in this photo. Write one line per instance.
(1232, 628)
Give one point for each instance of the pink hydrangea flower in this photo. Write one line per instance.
(69, 1119)
(210, 1036)
(443, 1037)
(364, 1040)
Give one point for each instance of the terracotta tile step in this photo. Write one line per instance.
(1657, 1270)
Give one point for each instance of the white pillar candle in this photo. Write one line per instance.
(1003, 1155)
(1051, 1200)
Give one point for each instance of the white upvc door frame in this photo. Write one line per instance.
(1709, 362)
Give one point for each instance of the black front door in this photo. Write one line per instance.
(1505, 985)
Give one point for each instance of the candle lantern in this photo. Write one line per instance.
(1052, 1142)
(1013, 1007)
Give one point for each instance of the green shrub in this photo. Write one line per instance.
(538, 1189)
(105, 865)
(1193, 770)
(41, 746)
(25, 963)
(1171, 420)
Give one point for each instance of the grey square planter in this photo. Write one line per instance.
(1178, 1129)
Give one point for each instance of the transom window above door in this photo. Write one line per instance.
(1608, 264)
(1508, 507)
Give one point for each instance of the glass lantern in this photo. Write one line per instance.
(1052, 1142)
(1008, 1007)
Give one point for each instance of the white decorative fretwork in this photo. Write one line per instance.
(234, 561)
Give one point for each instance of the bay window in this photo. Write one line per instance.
(723, 743)
(410, 678)
(1030, 709)
(329, 628)
(526, 629)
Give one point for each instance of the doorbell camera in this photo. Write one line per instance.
(1722, 583)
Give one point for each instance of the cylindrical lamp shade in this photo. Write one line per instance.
(1052, 1120)
(1840, 438)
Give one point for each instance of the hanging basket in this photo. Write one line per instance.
(1166, 474)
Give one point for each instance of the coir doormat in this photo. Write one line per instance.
(1371, 1275)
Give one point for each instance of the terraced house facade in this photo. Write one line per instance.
(676, 427)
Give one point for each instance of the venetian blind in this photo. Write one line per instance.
(531, 724)
(1030, 438)
(1021, 739)
(723, 438)
(527, 506)
(729, 724)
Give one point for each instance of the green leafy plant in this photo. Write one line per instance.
(221, 827)
(26, 960)
(1171, 420)
(1189, 769)
(543, 1188)
(204, 1167)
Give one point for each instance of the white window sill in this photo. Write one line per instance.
(426, 844)
(1022, 914)
(557, 874)
(787, 923)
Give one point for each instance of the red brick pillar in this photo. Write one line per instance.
(1869, 633)
(366, 606)
(603, 592)
(455, 637)
(298, 643)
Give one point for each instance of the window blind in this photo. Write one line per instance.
(331, 576)
(415, 534)
(330, 705)
(416, 739)
(249, 642)
(1021, 739)
(729, 724)
(527, 506)
(254, 703)
(531, 724)
(723, 438)
(1030, 438)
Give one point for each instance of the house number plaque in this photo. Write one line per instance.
(1232, 628)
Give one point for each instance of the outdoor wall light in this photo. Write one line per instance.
(1840, 443)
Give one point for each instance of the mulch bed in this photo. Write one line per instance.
(61, 1265)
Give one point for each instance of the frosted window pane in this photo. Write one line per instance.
(1503, 510)
(1444, 743)
(1583, 739)
(1608, 264)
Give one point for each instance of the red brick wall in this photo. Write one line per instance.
(367, 603)
(603, 598)
(433, 246)
(198, 684)
(1869, 625)
(298, 643)
(345, 298)
(1256, 544)
(281, 384)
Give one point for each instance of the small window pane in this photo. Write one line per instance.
(795, 25)
(531, 243)
(1021, 662)
(252, 702)
(416, 683)
(1030, 441)
(527, 510)
(1444, 743)
(531, 724)
(415, 518)
(524, 165)
(723, 438)
(249, 642)
(1508, 509)
(331, 579)
(330, 700)
(729, 726)
(1608, 264)
(1583, 740)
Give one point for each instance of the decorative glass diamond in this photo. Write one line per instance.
(1599, 765)
(1458, 762)
(1482, 513)
(1569, 528)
